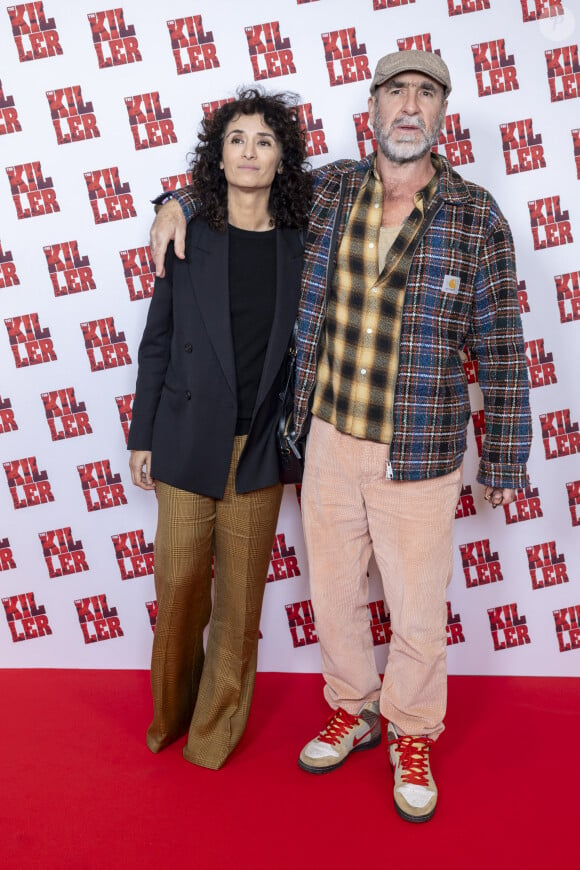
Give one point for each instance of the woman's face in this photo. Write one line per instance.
(251, 153)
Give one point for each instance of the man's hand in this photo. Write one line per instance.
(140, 465)
(169, 224)
(497, 496)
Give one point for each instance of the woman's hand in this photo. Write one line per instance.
(140, 465)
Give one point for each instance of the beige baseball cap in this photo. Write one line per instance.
(412, 61)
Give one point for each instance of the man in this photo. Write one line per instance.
(405, 263)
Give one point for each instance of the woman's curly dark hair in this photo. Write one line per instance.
(291, 190)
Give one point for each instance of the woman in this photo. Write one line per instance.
(202, 434)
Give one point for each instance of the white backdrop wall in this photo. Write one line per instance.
(99, 106)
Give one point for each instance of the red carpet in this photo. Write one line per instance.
(81, 790)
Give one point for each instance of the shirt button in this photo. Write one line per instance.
(363, 371)
(187, 394)
(188, 348)
(377, 205)
(371, 245)
(369, 331)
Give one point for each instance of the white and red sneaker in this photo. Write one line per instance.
(342, 734)
(415, 792)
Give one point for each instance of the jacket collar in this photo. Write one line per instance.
(452, 187)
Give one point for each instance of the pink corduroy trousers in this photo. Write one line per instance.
(350, 511)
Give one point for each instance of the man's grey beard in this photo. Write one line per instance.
(407, 152)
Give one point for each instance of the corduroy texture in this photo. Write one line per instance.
(208, 695)
(351, 510)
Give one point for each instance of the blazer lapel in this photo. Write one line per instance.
(207, 257)
(289, 249)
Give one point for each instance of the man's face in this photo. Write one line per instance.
(407, 113)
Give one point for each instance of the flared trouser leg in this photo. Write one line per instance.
(209, 694)
(183, 551)
(244, 535)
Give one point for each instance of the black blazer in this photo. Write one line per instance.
(185, 406)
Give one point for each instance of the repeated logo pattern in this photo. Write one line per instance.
(98, 112)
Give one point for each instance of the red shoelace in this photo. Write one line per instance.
(338, 726)
(413, 758)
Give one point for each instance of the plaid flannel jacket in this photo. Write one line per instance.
(460, 289)
(357, 368)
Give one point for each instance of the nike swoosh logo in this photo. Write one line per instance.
(358, 740)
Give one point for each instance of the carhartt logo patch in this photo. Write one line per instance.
(450, 284)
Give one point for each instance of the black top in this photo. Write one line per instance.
(252, 280)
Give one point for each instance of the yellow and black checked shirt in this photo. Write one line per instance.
(358, 366)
